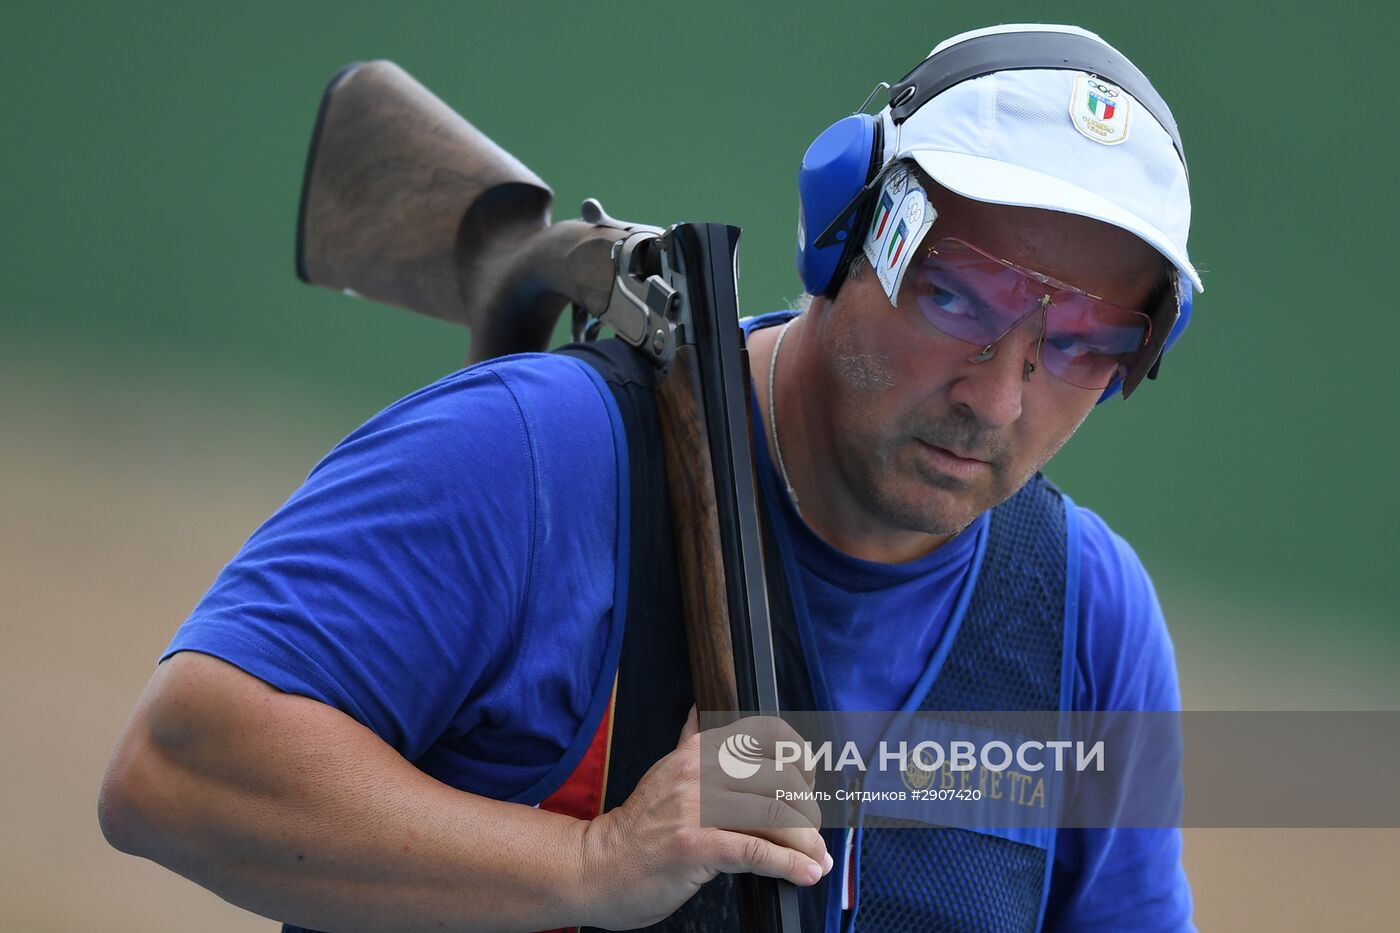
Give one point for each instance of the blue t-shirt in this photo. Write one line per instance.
(447, 577)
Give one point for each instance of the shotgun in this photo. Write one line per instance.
(407, 203)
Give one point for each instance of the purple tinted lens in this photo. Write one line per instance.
(1089, 342)
(966, 294)
(976, 305)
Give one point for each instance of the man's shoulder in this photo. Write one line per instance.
(527, 380)
(1108, 562)
(518, 429)
(524, 395)
(1126, 658)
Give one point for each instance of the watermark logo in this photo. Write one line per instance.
(740, 756)
(1042, 769)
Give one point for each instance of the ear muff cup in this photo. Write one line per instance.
(834, 169)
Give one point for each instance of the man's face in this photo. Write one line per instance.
(923, 439)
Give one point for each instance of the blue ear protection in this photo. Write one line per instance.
(835, 169)
(837, 179)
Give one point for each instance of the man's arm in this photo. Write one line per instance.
(285, 806)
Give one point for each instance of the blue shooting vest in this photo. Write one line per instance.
(1013, 650)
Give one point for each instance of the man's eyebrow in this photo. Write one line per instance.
(958, 283)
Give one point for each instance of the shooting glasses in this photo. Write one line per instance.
(975, 297)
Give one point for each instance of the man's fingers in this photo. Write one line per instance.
(691, 727)
(777, 821)
(789, 785)
(808, 842)
(769, 809)
(758, 739)
(739, 853)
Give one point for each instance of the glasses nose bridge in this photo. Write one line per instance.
(1039, 309)
(1012, 358)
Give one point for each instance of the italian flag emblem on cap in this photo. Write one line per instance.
(1100, 111)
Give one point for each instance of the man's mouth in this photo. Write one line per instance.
(954, 462)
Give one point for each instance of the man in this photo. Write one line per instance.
(424, 637)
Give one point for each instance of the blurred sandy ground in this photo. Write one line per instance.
(118, 506)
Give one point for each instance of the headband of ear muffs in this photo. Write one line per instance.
(841, 169)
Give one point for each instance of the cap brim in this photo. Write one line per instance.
(996, 182)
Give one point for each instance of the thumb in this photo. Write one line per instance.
(691, 727)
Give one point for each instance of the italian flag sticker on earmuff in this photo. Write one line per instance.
(1099, 110)
(902, 217)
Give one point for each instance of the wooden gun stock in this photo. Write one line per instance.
(697, 532)
(407, 203)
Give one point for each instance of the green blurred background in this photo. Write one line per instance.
(167, 381)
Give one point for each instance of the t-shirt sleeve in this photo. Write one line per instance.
(392, 585)
(1119, 879)
(1125, 656)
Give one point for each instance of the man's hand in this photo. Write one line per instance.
(650, 855)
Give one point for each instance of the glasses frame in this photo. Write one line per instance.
(1044, 305)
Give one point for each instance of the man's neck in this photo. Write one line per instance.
(795, 441)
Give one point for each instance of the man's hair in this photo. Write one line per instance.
(858, 265)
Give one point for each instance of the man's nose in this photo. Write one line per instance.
(992, 382)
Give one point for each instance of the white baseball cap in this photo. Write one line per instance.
(1060, 140)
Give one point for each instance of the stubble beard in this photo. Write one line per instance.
(937, 504)
(952, 432)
